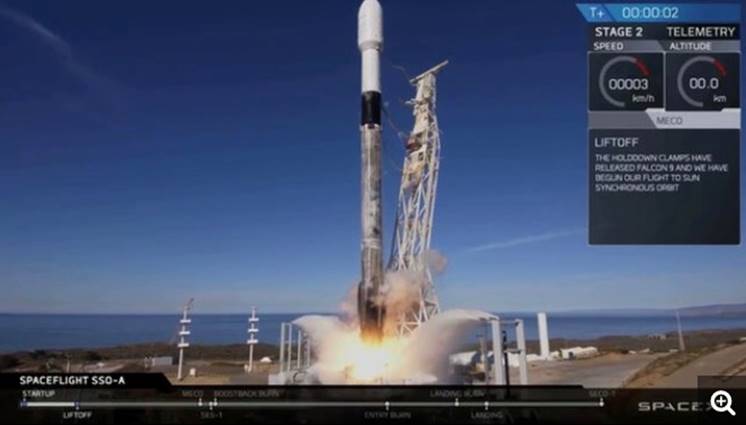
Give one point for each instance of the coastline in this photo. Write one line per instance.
(135, 353)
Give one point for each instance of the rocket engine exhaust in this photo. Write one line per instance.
(371, 311)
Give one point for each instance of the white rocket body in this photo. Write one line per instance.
(371, 311)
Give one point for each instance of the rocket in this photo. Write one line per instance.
(371, 310)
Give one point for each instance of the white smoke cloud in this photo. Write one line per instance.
(436, 261)
(348, 305)
(400, 293)
(340, 356)
(428, 348)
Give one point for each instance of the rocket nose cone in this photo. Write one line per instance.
(370, 11)
(370, 24)
(370, 4)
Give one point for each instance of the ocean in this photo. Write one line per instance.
(57, 331)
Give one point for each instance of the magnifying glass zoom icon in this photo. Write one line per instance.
(722, 402)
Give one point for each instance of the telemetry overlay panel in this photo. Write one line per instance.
(664, 123)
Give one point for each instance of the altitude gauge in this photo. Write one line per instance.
(702, 81)
(625, 81)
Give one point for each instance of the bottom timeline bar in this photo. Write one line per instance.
(300, 404)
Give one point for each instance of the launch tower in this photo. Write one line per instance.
(414, 218)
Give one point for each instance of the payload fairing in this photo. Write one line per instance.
(371, 310)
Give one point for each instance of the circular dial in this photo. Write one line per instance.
(700, 79)
(625, 79)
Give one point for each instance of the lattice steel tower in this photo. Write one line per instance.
(414, 217)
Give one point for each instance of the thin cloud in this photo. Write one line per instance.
(59, 46)
(46, 35)
(526, 240)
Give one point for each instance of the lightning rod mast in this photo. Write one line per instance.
(185, 322)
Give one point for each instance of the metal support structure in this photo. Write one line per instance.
(184, 331)
(541, 320)
(498, 369)
(282, 345)
(295, 355)
(520, 338)
(416, 203)
(289, 349)
(299, 365)
(252, 331)
(483, 353)
(682, 346)
(497, 375)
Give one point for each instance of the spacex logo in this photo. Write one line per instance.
(667, 406)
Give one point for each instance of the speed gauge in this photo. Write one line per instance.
(625, 81)
(702, 81)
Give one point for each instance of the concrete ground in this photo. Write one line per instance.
(218, 372)
(721, 362)
(254, 378)
(605, 371)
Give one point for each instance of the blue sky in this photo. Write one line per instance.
(151, 152)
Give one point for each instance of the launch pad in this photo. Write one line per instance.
(416, 358)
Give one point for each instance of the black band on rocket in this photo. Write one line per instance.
(371, 108)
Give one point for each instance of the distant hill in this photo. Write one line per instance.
(715, 310)
(703, 310)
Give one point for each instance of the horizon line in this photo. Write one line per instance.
(519, 311)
